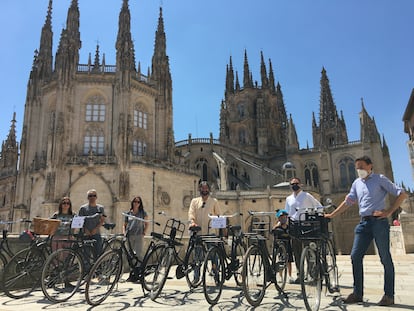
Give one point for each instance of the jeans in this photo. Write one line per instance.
(367, 230)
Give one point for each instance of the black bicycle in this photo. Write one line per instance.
(22, 273)
(169, 240)
(65, 270)
(109, 267)
(6, 252)
(261, 268)
(318, 259)
(219, 265)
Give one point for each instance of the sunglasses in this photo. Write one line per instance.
(294, 184)
(204, 204)
(137, 202)
(91, 195)
(66, 203)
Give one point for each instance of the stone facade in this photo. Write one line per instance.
(110, 127)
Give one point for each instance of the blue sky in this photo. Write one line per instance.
(366, 47)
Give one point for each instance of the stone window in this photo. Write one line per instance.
(95, 110)
(311, 174)
(347, 172)
(242, 136)
(94, 144)
(140, 119)
(139, 148)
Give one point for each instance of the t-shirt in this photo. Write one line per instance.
(86, 210)
(65, 223)
(135, 226)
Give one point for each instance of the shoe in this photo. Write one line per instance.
(334, 289)
(295, 281)
(386, 301)
(352, 298)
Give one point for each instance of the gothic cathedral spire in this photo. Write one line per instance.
(125, 52)
(331, 130)
(67, 55)
(164, 110)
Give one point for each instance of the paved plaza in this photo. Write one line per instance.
(176, 295)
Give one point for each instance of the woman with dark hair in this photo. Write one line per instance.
(134, 229)
(65, 215)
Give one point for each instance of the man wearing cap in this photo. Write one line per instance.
(296, 204)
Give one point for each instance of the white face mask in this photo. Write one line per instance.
(362, 173)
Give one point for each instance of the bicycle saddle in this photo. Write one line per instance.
(109, 226)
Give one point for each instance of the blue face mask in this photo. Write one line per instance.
(283, 220)
(295, 187)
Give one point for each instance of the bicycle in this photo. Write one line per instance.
(169, 240)
(66, 268)
(6, 252)
(219, 265)
(22, 273)
(261, 269)
(107, 270)
(318, 259)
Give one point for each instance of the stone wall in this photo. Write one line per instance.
(407, 227)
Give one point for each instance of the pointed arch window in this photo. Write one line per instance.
(140, 119)
(311, 174)
(241, 110)
(347, 172)
(242, 136)
(202, 166)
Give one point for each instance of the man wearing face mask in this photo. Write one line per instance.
(370, 191)
(296, 204)
(201, 206)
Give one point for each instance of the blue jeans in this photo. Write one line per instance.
(367, 230)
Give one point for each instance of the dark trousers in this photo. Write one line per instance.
(297, 247)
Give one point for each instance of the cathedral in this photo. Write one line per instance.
(110, 127)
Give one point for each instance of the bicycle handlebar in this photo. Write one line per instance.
(140, 219)
(224, 216)
(176, 219)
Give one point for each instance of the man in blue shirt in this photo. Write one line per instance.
(370, 191)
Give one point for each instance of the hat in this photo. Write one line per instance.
(281, 212)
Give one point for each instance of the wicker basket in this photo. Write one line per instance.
(45, 226)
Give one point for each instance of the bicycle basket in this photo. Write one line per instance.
(45, 226)
(310, 227)
(174, 229)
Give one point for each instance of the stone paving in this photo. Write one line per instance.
(176, 295)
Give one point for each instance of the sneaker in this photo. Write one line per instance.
(386, 301)
(294, 281)
(352, 298)
(333, 289)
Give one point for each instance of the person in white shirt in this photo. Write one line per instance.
(297, 203)
(201, 207)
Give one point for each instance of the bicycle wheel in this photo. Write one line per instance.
(149, 266)
(3, 262)
(240, 251)
(193, 263)
(310, 279)
(280, 262)
(113, 243)
(254, 276)
(332, 279)
(213, 275)
(22, 273)
(161, 272)
(61, 275)
(103, 277)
